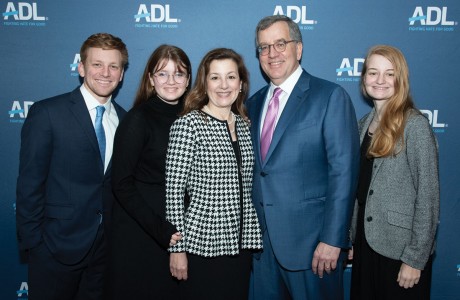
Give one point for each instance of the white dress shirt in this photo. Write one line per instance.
(287, 86)
(109, 121)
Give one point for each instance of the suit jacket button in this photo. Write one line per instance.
(369, 219)
(263, 174)
(371, 192)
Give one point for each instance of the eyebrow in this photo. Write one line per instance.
(377, 69)
(277, 41)
(214, 73)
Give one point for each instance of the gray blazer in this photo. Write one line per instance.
(402, 206)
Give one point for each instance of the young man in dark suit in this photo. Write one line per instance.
(64, 193)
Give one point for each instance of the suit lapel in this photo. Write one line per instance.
(257, 121)
(298, 96)
(377, 161)
(365, 126)
(81, 114)
(120, 114)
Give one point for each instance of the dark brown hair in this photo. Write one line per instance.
(197, 98)
(157, 61)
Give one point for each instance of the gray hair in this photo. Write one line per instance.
(294, 31)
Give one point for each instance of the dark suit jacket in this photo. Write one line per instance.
(62, 191)
(305, 189)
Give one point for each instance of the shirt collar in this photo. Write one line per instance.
(288, 85)
(91, 102)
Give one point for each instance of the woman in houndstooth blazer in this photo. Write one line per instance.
(210, 163)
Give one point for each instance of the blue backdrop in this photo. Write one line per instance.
(39, 49)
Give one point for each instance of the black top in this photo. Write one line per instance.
(236, 148)
(139, 157)
(138, 262)
(365, 170)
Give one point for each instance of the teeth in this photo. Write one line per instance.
(103, 81)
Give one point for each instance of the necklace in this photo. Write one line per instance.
(233, 119)
(230, 123)
(206, 108)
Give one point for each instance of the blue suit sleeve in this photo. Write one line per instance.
(342, 149)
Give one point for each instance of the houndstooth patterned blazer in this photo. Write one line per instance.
(201, 161)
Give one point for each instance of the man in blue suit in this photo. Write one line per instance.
(64, 194)
(306, 159)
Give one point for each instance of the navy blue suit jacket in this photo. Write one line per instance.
(304, 190)
(62, 190)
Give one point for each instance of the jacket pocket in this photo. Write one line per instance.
(303, 124)
(400, 220)
(59, 211)
(311, 200)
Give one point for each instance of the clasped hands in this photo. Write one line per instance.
(178, 264)
(175, 238)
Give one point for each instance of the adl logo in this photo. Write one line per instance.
(154, 14)
(432, 116)
(432, 18)
(22, 14)
(23, 291)
(19, 112)
(351, 68)
(74, 65)
(297, 14)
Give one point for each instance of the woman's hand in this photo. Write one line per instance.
(350, 254)
(178, 265)
(175, 238)
(408, 276)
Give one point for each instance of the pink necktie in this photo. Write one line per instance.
(269, 123)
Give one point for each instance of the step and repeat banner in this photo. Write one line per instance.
(39, 54)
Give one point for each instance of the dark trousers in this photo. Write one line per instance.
(51, 280)
(223, 277)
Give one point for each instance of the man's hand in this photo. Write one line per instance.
(324, 259)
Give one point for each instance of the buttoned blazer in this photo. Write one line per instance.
(402, 206)
(201, 162)
(304, 190)
(62, 190)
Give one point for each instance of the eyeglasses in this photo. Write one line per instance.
(163, 77)
(278, 46)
